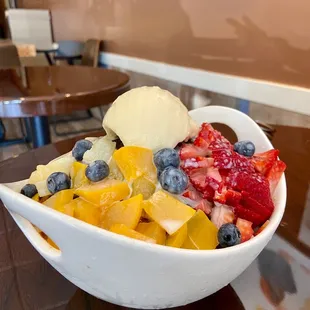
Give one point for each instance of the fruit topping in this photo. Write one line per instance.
(245, 228)
(189, 151)
(77, 174)
(264, 161)
(222, 214)
(177, 239)
(122, 229)
(80, 148)
(197, 162)
(102, 149)
(173, 180)
(86, 211)
(126, 212)
(60, 200)
(152, 230)
(245, 148)
(134, 162)
(201, 233)
(228, 235)
(58, 181)
(104, 193)
(165, 158)
(262, 228)
(29, 190)
(143, 186)
(167, 211)
(97, 171)
(275, 173)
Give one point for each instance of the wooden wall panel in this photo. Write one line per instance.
(260, 39)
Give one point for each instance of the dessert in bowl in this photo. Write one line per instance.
(169, 218)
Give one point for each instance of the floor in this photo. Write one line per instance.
(294, 293)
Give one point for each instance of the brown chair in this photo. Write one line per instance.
(90, 57)
(91, 53)
(9, 56)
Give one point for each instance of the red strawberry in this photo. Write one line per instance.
(249, 215)
(211, 185)
(222, 214)
(214, 173)
(250, 203)
(256, 185)
(189, 151)
(232, 197)
(220, 196)
(201, 143)
(197, 162)
(264, 161)
(245, 228)
(197, 178)
(205, 206)
(275, 173)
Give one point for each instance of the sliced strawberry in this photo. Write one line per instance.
(197, 178)
(205, 206)
(264, 161)
(220, 144)
(214, 174)
(262, 227)
(245, 228)
(222, 214)
(256, 185)
(188, 150)
(275, 173)
(197, 162)
(211, 185)
(220, 195)
(233, 198)
(250, 203)
(201, 143)
(249, 215)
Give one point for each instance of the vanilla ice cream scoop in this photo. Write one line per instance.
(149, 117)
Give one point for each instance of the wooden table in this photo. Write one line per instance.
(27, 281)
(39, 92)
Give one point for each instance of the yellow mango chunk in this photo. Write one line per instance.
(167, 211)
(77, 174)
(152, 230)
(143, 186)
(126, 212)
(122, 229)
(104, 193)
(86, 211)
(134, 162)
(60, 200)
(201, 233)
(177, 239)
(36, 197)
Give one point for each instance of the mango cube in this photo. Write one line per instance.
(152, 230)
(60, 200)
(86, 211)
(77, 174)
(126, 212)
(122, 229)
(167, 211)
(104, 193)
(134, 162)
(201, 233)
(143, 186)
(177, 239)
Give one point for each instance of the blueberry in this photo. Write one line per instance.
(58, 181)
(80, 148)
(173, 180)
(245, 148)
(228, 235)
(97, 171)
(165, 158)
(29, 190)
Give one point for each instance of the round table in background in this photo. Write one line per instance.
(39, 92)
(29, 282)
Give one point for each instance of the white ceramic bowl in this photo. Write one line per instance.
(132, 273)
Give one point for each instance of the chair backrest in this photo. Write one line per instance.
(9, 56)
(30, 27)
(91, 53)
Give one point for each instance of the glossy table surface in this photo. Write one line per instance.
(54, 90)
(27, 281)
